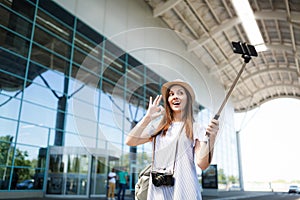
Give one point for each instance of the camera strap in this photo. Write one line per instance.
(153, 153)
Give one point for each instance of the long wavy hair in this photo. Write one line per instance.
(187, 115)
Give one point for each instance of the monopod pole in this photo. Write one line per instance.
(217, 115)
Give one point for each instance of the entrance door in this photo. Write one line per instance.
(68, 172)
(99, 176)
(76, 172)
(77, 175)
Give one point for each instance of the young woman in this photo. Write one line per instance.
(178, 143)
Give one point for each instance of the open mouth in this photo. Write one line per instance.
(176, 103)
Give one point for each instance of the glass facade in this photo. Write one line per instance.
(68, 97)
(63, 85)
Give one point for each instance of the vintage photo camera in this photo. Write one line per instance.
(159, 179)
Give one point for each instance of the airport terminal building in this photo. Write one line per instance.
(75, 77)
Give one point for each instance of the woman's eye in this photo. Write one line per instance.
(180, 93)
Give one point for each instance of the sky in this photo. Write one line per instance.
(270, 141)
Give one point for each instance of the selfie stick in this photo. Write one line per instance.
(247, 51)
(217, 115)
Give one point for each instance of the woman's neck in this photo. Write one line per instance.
(177, 117)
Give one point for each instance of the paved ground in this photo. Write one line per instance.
(225, 195)
(253, 196)
(221, 195)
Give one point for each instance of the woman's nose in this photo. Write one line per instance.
(175, 96)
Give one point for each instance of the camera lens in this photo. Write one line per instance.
(158, 180)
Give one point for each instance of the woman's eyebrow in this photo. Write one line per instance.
(180, 90)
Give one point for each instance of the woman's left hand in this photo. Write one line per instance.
(212, 128)
(155, 109)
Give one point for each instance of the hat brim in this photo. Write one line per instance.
(184, 84)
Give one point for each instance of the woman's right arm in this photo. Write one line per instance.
(140, 134)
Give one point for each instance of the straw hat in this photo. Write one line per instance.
(180, 82)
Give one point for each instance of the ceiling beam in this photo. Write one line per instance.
(274, 15)
(278, 47)
(212, 33)
(159, 10)
(262, 101)
(267, 71)
(267, 88)
(292, 34)
(200, 20)
(277, 15)
(179, 14)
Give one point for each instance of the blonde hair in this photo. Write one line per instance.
(167, 119)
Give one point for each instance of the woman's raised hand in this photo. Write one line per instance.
(154, 109)
(213, 128)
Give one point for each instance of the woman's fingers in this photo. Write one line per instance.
(159, 111)
(214, 121)
(213, 127)
(150, 100)
(157, 100)
(154, 108)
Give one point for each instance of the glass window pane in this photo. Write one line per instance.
(72, 184)
(88, 33)
(46, 57)
(12, 71)
(26, 156)
(111, 119)
(35, 114)
(14, 43)
(6, 148)
(38, 179)
(72, 139)
(73, 163)
(50, 41)
(39, 88)
(112, 135)
(10, 106)
(87, 139)
(7, 128)
(57, 14)
(19, 25)
(33, 135)
(84, 163)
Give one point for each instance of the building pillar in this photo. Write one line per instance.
(241, 180)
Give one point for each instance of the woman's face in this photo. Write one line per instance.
(177, 98)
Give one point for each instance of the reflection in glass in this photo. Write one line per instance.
(7, 130)
(26, 155)
(98, 178)
(55, 175)
(33, 135)
(72, 184)
(19, 25)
